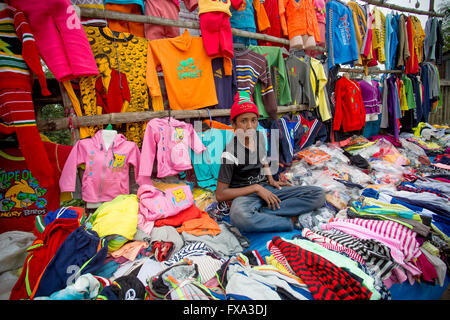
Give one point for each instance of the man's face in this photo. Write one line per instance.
(246, 121)
(102, 65)
(245, 125)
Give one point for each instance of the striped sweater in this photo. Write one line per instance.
(325, 280)
(251, 68)
(401, 240)
(18, 53)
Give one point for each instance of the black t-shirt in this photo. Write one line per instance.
(239, 166)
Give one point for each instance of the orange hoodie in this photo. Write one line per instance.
(187, 73)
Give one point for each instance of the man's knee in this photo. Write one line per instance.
(316, 196)
(240, 216)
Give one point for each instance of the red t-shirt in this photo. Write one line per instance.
(21, 197)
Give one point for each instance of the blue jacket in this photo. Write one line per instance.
(340, 34)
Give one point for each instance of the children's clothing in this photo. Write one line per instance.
(341, 39)
(168, 9)
(350, 111)
(279, 77)
(216, 34)
(226, 88)
(168, 140)
(298, 18)
(207, 163)
(187, 67)
(135, 28)
(121, 86)
(107, 170)
(62, 43)
(82, 252)
(18, 60)
(155, 204)
(251, 68)
(40, 253)
(300, 81)
(23, 198)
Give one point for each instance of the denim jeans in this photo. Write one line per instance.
(251, 213)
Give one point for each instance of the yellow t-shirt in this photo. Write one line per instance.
(205, 6)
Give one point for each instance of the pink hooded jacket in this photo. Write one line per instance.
(107, 171)
(155, 204)
(169, 142)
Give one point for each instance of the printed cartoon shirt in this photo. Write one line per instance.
(121, 85)
(21, 196)
(187, 69)
(168, 141)
(107, 170)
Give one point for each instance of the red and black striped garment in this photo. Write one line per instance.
(325, 280)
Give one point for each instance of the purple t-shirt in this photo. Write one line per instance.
(371, 96)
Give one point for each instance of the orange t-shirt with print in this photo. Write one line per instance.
(187, 72)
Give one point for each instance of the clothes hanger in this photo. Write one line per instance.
(298, 52)
(237, 46)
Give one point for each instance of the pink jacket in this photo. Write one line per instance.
(60, 37)
(107, 171)
(169, 142)
(155, 204)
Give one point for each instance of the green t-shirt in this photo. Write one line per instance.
(279, 76)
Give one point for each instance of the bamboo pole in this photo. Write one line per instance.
(369, 71)
(115, 15)
(403, 9)
(127, 117)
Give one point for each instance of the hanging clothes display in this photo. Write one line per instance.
(245, 17)
(226, 87)
(187, 67)
(207, 163)
(168, 9)
(19, 60)
(403, 53)
(379, 33)
(107, 169)
(167, 141)
(22, 196)
(253, 68)
(62, 44)
(300, 81)
(341, 39)
(360, 25)
(279, 78)
(126, 6)
(350, 112)
(299, 23)
(121, 86)
(369, 174)
(391, 41)
(273, 15)
(215, 26)
(371, 96)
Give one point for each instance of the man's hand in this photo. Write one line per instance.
(278, 184)
(273, 202)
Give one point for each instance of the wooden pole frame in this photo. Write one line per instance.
(142, 116)
(403, 9)
(115, 15)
